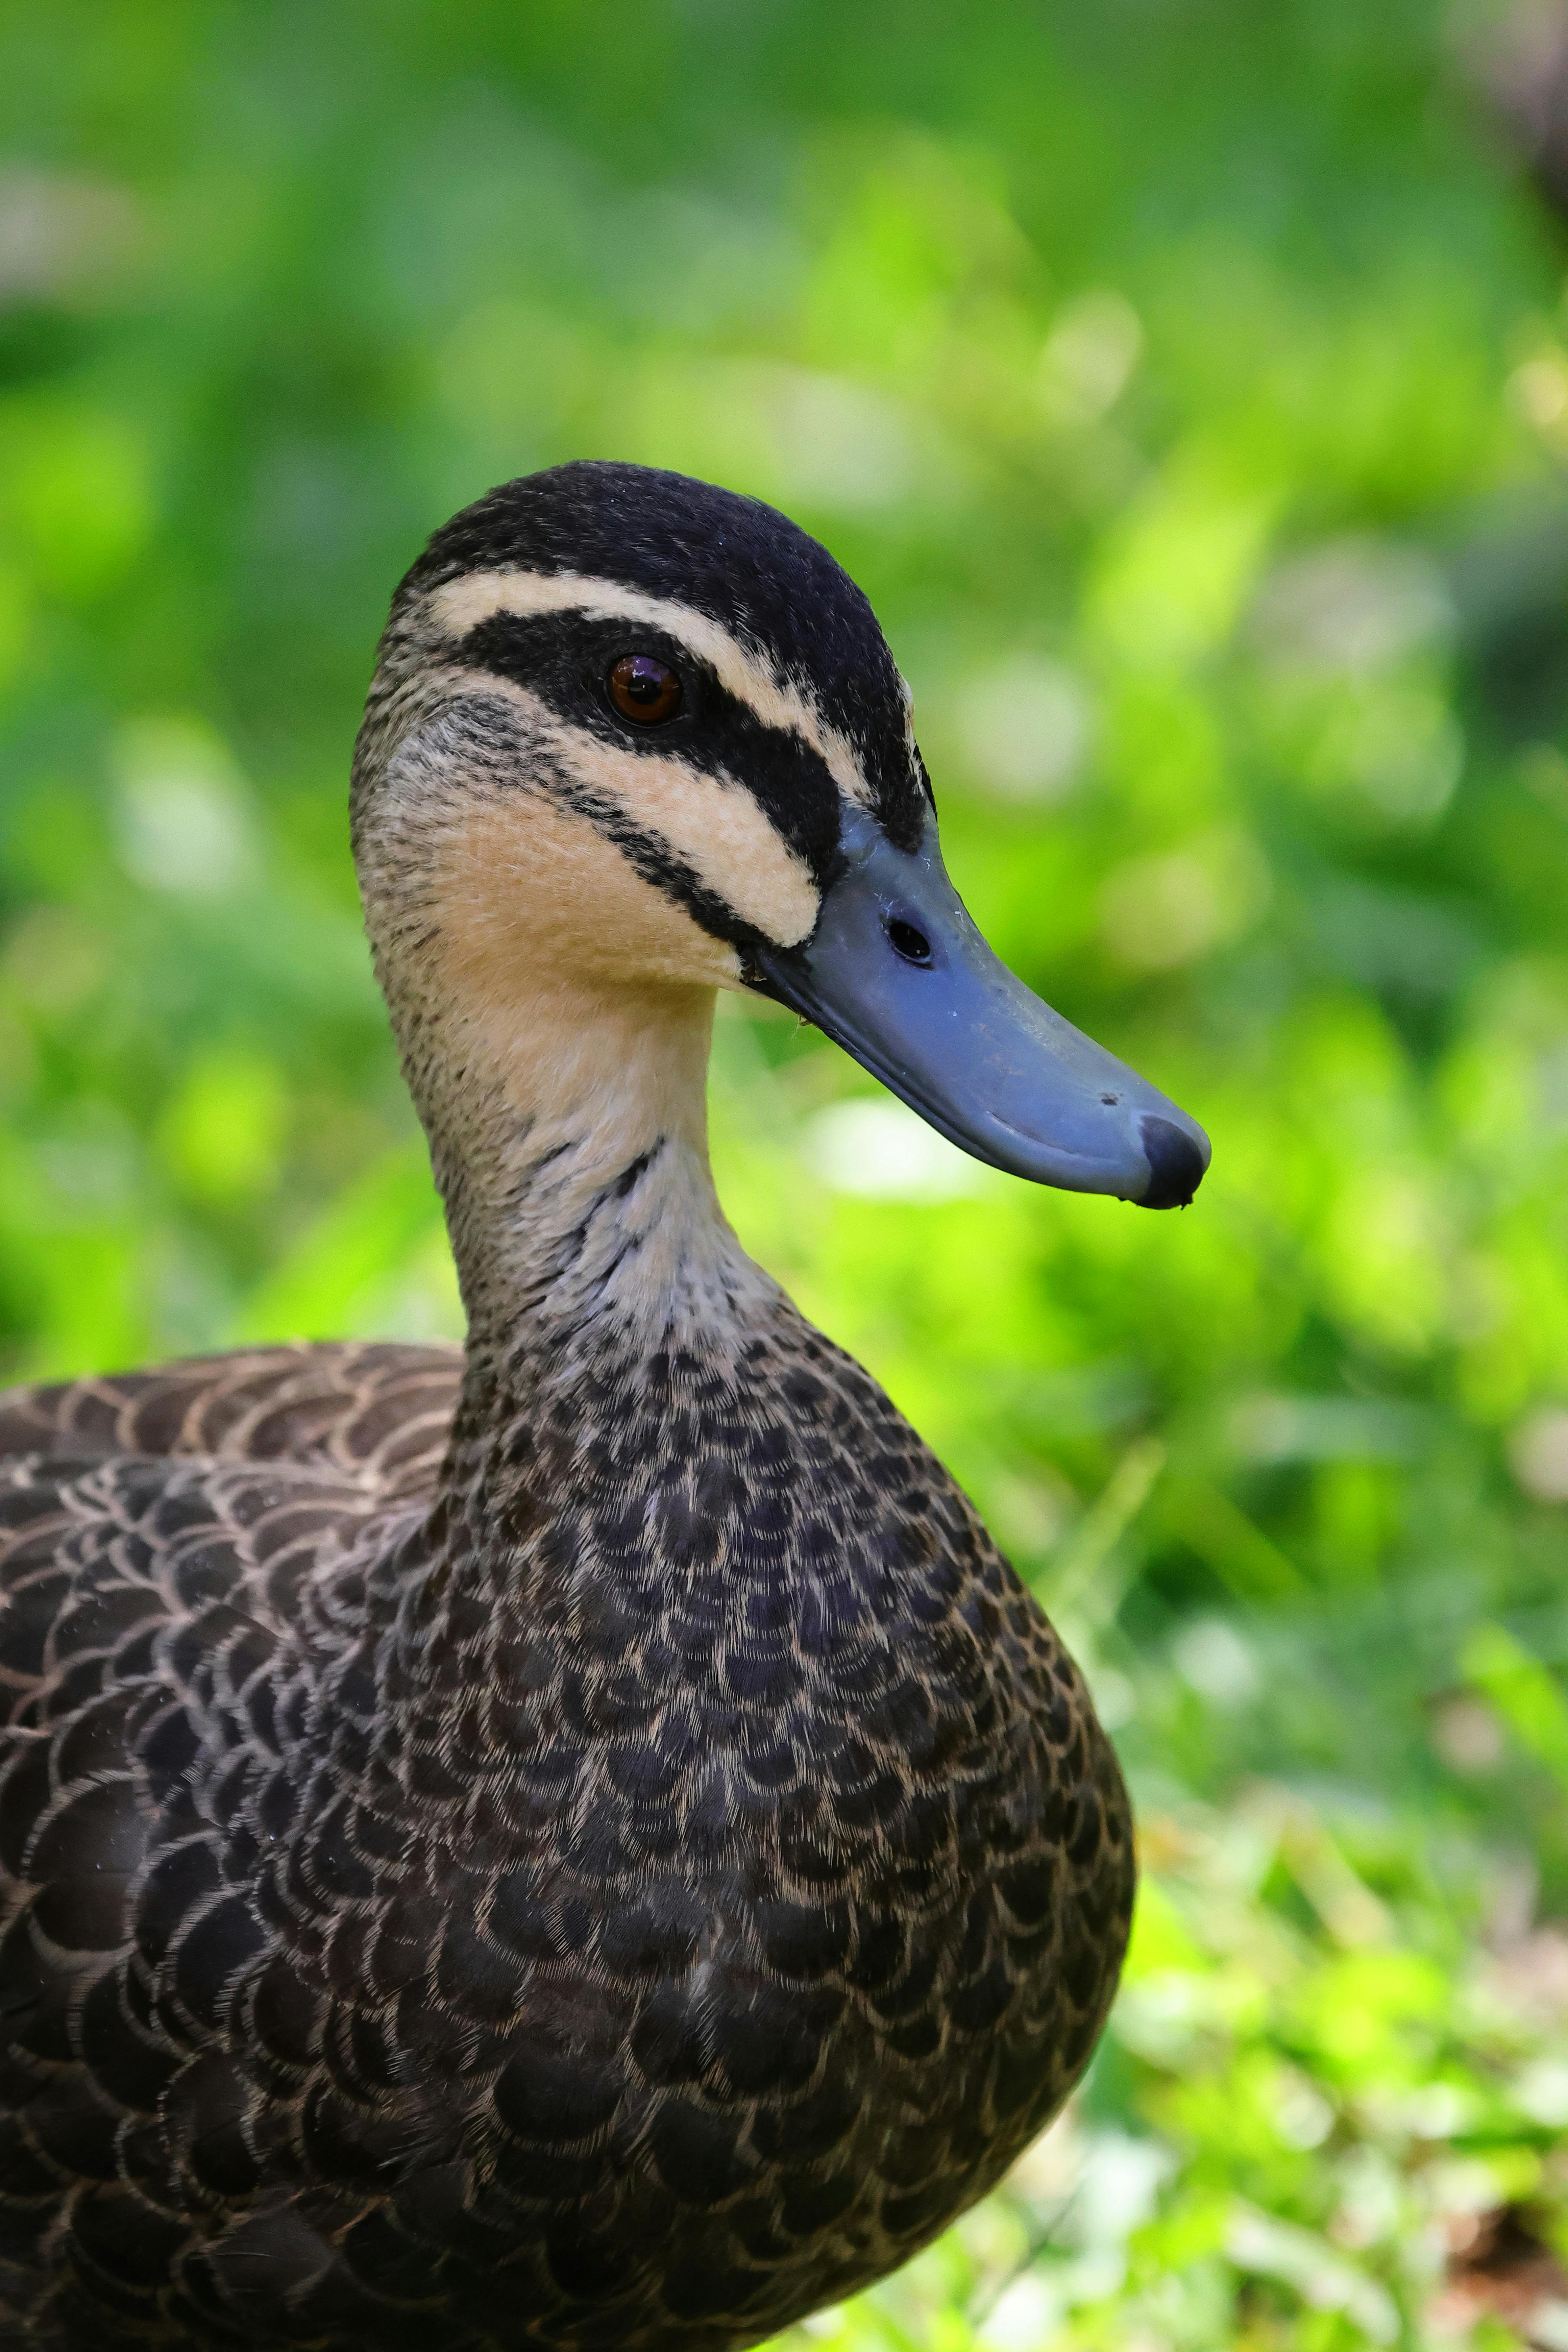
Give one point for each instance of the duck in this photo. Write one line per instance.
(580, 1841)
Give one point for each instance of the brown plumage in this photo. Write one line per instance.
(583, 1842)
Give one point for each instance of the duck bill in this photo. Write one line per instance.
(895, 973)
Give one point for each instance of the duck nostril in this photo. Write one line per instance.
(1110, 1098)
(908, 941)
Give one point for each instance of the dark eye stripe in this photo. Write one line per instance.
(566, 659)
(657, 863)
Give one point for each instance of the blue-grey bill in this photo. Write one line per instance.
(962, 1042)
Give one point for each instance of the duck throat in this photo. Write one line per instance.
(569, 1140)
(554, 1012)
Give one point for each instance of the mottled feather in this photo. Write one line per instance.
(638, 1927)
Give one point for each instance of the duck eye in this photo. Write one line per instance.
(645, 690)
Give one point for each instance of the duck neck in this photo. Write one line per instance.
(569, 1138)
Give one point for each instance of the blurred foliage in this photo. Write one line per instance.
(1189, 389)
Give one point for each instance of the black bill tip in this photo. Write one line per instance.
(1175, 1164)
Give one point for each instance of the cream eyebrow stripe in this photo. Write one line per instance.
(713, 825)
(462, 604)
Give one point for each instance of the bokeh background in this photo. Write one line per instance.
(1187, 384)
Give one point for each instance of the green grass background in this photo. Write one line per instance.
(1186, 384)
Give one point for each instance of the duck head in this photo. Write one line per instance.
(633, 731)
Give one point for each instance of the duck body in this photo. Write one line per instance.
(582, 1842)
(558, 1936)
